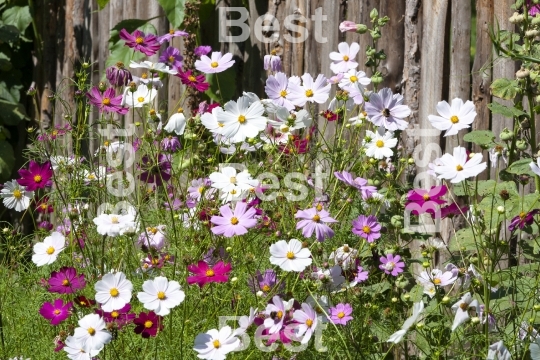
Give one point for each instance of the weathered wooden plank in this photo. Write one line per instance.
(393, 42)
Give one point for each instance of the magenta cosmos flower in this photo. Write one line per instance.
(55, 312)
(148, 324)
(341, 314)
(120, 317)
(315, 221)
(171, 34)
(419, 200)
(448, 211)
(66, 281)
(147, 44)
(206, 274)
(118, 75)
(392, 265)
(107, 102)
(156, 172)
(198, 82)
(237, 223)
(523, 219)
(216, 64)
(367, 227)
(387, 110)
(38, 176)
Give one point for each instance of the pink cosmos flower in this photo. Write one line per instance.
(147, 44)
(418, 198)
(315, 221)
(386, 109)
(202, 50)
(306, 322)
(367, 227)
(197, 82)
(362, 275)
(205, 274)
(277, 89)
(523, 219)
(448, 211)
(347, 26)
(391, 264)
(107, 102)
(343, 60)
(38, 176)
(66, 281)
(237, 223)
(359, 183)
(314, 91)
(216, 64)
(341, 314)
(171, 34)
(55, 312)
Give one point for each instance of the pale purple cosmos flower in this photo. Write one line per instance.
(386, 109)
(198, 186)
(362, 275)
(118, 75)
(359, 183)
(171, 34)
(437, 278)
(278, 308)
(315, 221)
(367, 227)
(341, 314)
(487, 317)
(216, 64)
(264, 282)
(277, 89)
(272, 62)
(343, 60)
(171, 56)
(392, 265)
(523, 219)
(237, 223)
(314, 91)
(202, 50)
(170, 143)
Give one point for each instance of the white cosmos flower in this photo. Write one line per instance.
(380, 145)
(241, 120)
(312, 91)
(321, 304)
(143, 95)
(113, 291)
(15, 196)
(344, 256)
(535, 167)
(456, 168)
(330, 278)
(453, 118)
(114, 224)
(461, 308)
(436, 278)
(228, 179)
(210, 121)
(215, 345)
(306, 322)
(176, 124)
(61, 161)
(92, 333)
(498, 351)
(98, 174)
(75, 349)
(290, 256)
(245, 321)
(354, 80)
(285, 122)
(343, 60)
(396, 337)
(160, 67)
(46, 252)
(161, 295)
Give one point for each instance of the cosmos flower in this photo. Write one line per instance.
(314, 221)
(272, 62)
(170, 35)
(341, 314)
(38, 176)
(202, 50)
(147, 44)
(161, 295)
(234, 223)
(113, 224)
(242, 119)
(46, 252)
(92, 332)
(386, 109)
(148, 324)
(156, 172)
(216, 64)
(171, 56)
(176, 123)
(367, 227)
(66, 281)
(313, 91)
(461, 309)
(391, 265)
(277, 89)
(204, 274)
(119, 318)
(459, 167)
(264, 282)
(523, 219)
(344, 256)
(140, 97)
(453, 118)
(290, 256)
(216, 344)
(118, 75)
(153, 237)
(198, 82)
(113, 291)
(15, 196)
(343, 60)
(418, 309)
(56, 312)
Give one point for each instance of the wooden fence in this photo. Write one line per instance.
(428, 45)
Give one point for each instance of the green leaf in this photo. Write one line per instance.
(506, 111)
(102, 3)
(227, 85)
(521, 167)
(130, 25)
(7, 161)
(480, 137)
(464, 239)
(416, 293)
(17, 16)
(174, 10)
(504, 89)
(10, 113)
(122, 53)
(5, 63)
(8, 33)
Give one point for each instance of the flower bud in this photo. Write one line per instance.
(410, 161)
(536, 307)
(522, 145)
(475, 320)
(522, 73)
(532, 33)
(426, 264)
(102, 86)
(506, 135)
(445, 300)
(500, 209)
(361, 28)
(516, 18)
(373, 14)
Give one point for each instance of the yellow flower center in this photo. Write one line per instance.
(17, 194)
(290, 255)
(234, 220)
(241, 119)
(345, 58)
(309, 322)
(200, 190)
(171, 58)
(115, 314)
(152, 112)
(459, 168)
(341, 315)
(266, 288)
(192, 78)
(120, 65)
(522, 215)
(454, 119)
(55, 132)
(91, 331)
(214, 64)
(161, 295)
(436, 281)
(216, 344)
(140, 99)
(155, 261)
(233, 179)
(426, 197)
(366, 229)
(106, 101)
(210, 272)
(153, 230)
(283, 93)
(233, 192)
(56, 312)
(309, 93)
(353, 79)
(273, 52)
(144, 76)
(464, 306)
(139, 40)
(148, 324)
(114, 220)
(65, 282)
(50, 250)
(114, 292)
(316, 218)
(171, 31)
(319, 207)
(279, 314)
(346, 249)
(379, 143)
(220, 124)
(37, 178)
